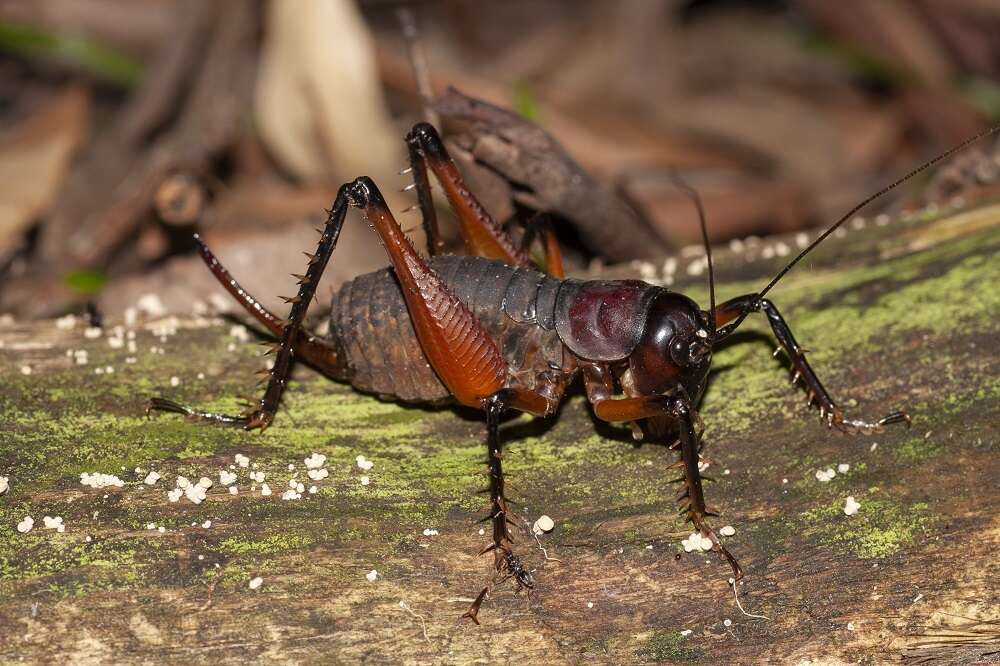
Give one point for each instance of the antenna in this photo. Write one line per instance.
(884, 190)
(696, 198)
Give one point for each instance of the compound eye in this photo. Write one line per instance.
(680, 352)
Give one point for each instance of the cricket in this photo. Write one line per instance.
(495, 331)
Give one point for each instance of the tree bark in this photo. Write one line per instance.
(898, 313)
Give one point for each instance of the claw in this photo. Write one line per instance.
(473, 612)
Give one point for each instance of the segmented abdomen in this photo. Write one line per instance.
(382, 355)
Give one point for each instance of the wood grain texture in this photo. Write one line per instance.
(901, 314)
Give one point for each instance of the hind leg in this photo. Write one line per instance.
(263, 414)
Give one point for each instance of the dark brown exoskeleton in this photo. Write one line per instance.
(492, 331)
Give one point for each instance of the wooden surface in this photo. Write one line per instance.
(897, 314)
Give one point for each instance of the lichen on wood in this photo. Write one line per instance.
(898, 313)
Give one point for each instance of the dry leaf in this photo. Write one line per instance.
(34, 157)
(319, 103)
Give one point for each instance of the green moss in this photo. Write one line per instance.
(880, 529)
(53, 563)
(917, 449)
(668, 645)
(270, 545)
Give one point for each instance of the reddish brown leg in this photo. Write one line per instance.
(482, 234)
(730, 314)
(268, 405)
(315, 351)
(553, 253)
(679, 410)
(540, 226)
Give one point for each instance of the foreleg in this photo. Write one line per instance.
(731, 313)
(679, 410)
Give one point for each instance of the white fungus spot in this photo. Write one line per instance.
(227, 478)
(686, 632)
(843, 468)
(239, 331)
(151, 478)
(175, 494)
(92, 332)
(851, 506)
(25, 369)
(195, 493)
(365, 480)
(430, 532)
(825, 475)
(207, 524)
(371, 576)
(313, 490)
(696, 542)
(4, 484)
(233, 490)
(265, 490)
(151, 305)
(590, 604)
(205, 482)
(67, 322)
(728, 530)
(98, 480)
(364, 463)
(242, 460)
(543, 524)
(318, 474)
(850, 626)
(315, 461)
(54, 523)
(175, 381)
(161, 529)
(256, 583)
(727, 622)
(25, 525)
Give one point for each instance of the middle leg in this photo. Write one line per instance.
(483, 235)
